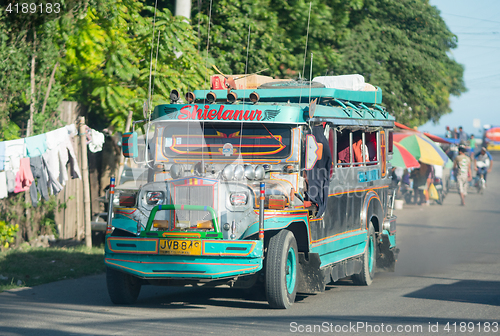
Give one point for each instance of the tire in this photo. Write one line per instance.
(440, 197)
(122, 288)
(281, 270)
(367, 274)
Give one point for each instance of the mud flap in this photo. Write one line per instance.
(386, 258)
(310, 278)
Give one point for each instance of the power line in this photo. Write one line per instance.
(468, 17)
(483, 33)
(477, 46)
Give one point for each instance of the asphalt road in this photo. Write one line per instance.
(447, 281)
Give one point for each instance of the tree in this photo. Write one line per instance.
(31, 47)
(108, 60)
(278, 34)
(402, 46)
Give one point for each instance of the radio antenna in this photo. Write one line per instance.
(206, 78)
(240, 158)
(305, 50)
(310, 78)
(151, 60)
(307, 38)
(208, 39)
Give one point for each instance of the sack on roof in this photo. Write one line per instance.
(345, 82)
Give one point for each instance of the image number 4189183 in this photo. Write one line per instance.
(33, 8)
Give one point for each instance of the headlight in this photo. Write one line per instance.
(249, 172)
(177, 171)
(228, 172)
(198, 169)
(260, 173)
(240, 198)
(239, 172)
(154, 197)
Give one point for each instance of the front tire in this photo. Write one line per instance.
(367, 274)
(281, 270)
(122, 288)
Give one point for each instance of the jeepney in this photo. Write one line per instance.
(283, 188)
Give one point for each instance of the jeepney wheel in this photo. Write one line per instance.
(281, 270)
(365, 278)
(122, 288)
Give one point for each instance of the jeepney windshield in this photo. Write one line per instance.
(223, 141)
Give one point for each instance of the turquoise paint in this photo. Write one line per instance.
(275, 223)
(124, 223)
(369, 97)
(369, 175)
(196, 267)
(154, 265)
(291, 270)
(131, 245)
(274, 113)
(234, 248)
(340, 247)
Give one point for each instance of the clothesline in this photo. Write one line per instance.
(38, 163)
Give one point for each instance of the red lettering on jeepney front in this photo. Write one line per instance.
(199, 113)
(212, 114)
(247, 114)
(227, 115)
(256, 115)
(219, 114)
(238, 115)
(185, 113)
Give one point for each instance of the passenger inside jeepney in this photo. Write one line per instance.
(343, 149)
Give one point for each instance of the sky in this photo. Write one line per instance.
(477, 26)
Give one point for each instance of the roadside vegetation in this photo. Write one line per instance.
(27, 266)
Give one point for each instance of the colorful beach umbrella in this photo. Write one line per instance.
(402, 158)
(422, 148)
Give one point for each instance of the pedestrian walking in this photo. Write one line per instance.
(463, 172)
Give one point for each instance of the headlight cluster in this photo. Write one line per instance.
(231, 172)
(177, 171)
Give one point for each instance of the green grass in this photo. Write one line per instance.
(35, 266)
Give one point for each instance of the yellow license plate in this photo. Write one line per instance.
(180, 246)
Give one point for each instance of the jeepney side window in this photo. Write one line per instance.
(344, 148)
(371, 146)
(332, 141)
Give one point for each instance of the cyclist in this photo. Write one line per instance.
(463, 172)
(483, 162)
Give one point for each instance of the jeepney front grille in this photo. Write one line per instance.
(194, 195)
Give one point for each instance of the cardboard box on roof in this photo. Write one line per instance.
(218, 82)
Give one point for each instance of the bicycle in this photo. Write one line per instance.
(480, 183)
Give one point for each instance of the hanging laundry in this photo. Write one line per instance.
(11, 180)
(51, 161)
(14, 151)
(95, 145)
(67, 155)
(3, 185)
(39, 173)
(24, 178)
(55, 137)
(2, 155)
(72, 131)
(36, 145)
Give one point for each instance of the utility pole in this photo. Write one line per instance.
(183, 8)
(86, 183)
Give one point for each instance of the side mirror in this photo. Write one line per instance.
(129, 145)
